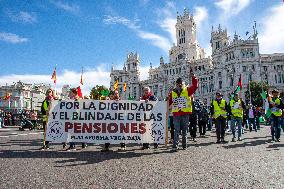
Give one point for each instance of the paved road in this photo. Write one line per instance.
(252, 163)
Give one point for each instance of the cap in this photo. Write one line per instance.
(179, 80)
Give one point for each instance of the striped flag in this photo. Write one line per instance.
(115, 86)
(124, 87)
(53, 77)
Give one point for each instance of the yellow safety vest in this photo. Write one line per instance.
(219, 110)
(236, 108)
(45, 107)
(276, 111)
(183, 102)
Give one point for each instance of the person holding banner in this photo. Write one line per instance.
(181, 101)
(74, 96)
(113, 95)
(148, 96)
(276, 106)
(44, 111)
(219, 109)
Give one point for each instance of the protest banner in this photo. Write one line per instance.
(99, 122)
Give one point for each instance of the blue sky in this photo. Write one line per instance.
(36, 35)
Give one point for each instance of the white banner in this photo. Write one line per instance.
(98, 121)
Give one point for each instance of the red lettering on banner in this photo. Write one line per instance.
(87, 128)
(68, 126)
(114, 126)
(103, 127)
(77, 127)
(134, 128)
(124, 128)
(142, 128)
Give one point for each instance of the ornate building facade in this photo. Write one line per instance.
(219, 72)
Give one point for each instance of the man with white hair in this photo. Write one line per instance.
(148, 96)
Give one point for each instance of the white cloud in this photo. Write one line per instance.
(69, 7)
(12, 38)
(91, 77)
(144, 72)
(167, 20)
(232, 7)
(156, 40)
(23, 17)
(201, 14)
(121, 20)
(271, 38)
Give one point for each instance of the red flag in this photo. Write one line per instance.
(240, 83)
(80, 94)
(53, 77)
(124, 86)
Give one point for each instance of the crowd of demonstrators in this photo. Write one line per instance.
(186, 113)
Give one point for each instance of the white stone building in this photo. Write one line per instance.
(219, 72)
(23, 96)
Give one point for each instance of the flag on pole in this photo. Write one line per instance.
(80, 94)
(239, 87)
(53, 77)
(81, 79)
(7, 96)
(115, 86)
(263, 95)
(124, 87)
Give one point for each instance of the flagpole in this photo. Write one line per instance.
(249, 93)
(55, 80)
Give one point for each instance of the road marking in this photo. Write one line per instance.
(35, 133)
(20, 134)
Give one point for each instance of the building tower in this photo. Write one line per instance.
(186, 46)
(219, 39)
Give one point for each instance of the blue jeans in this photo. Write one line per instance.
(251, 121)
(236, 122)
(275, 127)
(282, 123)
(220, 124)
(257, 122)
(209, 125)
(181, 124)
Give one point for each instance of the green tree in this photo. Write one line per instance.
(99, 91)
(256, 90)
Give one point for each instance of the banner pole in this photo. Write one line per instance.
(167, 124)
